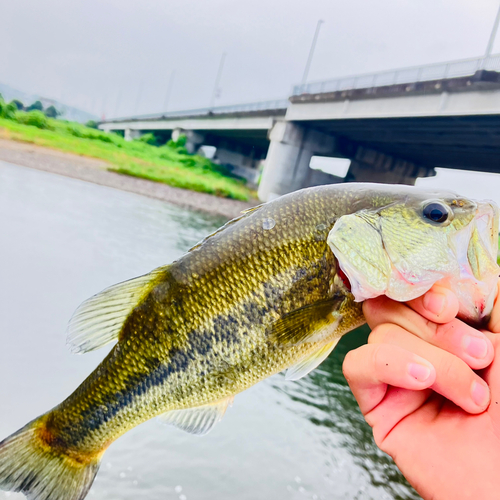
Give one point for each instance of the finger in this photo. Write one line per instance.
(454, 378)
(397, 404)
(372, 367)
(456, 337)
(426, 407)
(439, 305)
(494, 323)
(490, 373)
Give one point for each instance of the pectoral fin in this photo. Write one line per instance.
(311, 323)
(199, 420)
(308, 364)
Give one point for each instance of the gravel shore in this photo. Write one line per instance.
(93, 170)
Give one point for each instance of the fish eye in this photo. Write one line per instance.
(436, 212)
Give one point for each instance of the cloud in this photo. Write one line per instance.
(91, 51)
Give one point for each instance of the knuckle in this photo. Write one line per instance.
(450, 366)
(444, 330)
(379, 334)
(386, 333)
(376, 357)
(349, 364)
(378, 437)
(372, 422)
(355, 362)
(431, 328)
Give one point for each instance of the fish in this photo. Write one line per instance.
(272, 290)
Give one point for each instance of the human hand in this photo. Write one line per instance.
(416, 385)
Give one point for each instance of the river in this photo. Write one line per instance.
(63, 240)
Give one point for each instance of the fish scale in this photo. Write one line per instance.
(195, 332)
(269, 291)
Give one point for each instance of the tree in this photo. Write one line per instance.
(18, 104)
(8, 110)
(36, 106)
(34, 118)
(91, 124)
(51, 112)
(179, 144)
(148, 139)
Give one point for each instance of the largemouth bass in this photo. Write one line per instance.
(270, 291)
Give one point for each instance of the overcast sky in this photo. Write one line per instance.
(99, 54)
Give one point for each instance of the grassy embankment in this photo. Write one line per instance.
(169, 164)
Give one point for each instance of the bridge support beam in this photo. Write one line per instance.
(227, 156)
(239, 164)
(369, 165)
(286, 167)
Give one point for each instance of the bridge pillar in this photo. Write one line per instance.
(286, 167)
(130, 134)
(193, 139)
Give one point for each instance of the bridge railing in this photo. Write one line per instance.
(437, 71)
(275, 104)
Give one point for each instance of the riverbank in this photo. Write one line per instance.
(169, 163)
(96, 171)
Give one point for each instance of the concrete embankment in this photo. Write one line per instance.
(93, 170)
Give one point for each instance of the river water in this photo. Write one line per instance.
(63, 240)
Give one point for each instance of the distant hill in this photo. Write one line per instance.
(67, 112)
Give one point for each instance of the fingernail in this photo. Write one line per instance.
(419, 371)
(480, 393)
(435, 302)
(475, 347)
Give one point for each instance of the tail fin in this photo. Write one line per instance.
(32, 467)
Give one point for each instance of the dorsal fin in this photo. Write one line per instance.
(252, 209)
(199, 420)
(99, 320)
(244, 214)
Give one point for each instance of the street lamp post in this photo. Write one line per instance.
(489, 47)
(216, 90)
(139, 95)
(311, 54)
(169, 91)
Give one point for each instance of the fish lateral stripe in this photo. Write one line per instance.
(256, 314)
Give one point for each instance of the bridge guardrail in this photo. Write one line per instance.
(274, 104)
(413, 74)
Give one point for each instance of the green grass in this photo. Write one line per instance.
(162, 164)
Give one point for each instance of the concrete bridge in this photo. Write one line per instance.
(239, 132)
(394, 126)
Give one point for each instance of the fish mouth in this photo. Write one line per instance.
(482, 250)
(486, 222)
(476, 250)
